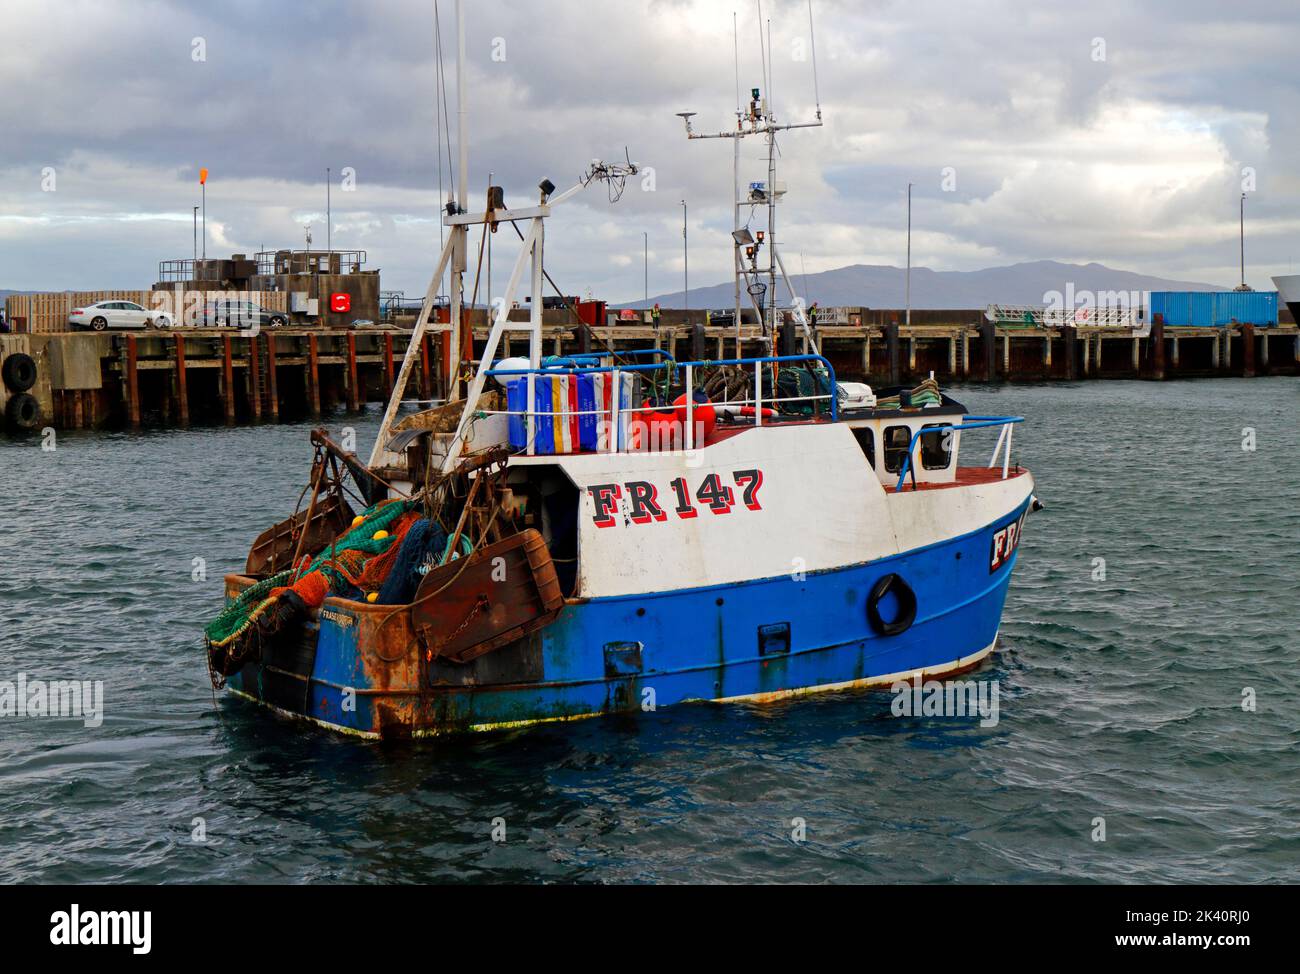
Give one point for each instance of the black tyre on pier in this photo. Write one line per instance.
(22, 412)
(19, 372)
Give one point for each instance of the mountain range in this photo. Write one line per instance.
(882, 286)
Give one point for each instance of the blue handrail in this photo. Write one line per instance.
(674, 365)
(553, 363)
(970, 423)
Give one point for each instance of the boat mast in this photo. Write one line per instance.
(453, 255)
(459, 232)
(456, 216)
(760, 120)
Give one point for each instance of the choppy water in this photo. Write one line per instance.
(1120, 698)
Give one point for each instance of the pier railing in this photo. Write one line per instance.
(614, 441)
(1002, 448)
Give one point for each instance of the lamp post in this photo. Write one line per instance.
(1243, 241)
(686, 264)
(646, 258)
(908, 285)
(196, 233)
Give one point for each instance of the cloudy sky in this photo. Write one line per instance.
(1102, 131)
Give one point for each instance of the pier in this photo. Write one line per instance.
(221, 375)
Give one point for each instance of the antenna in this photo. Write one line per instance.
(812, 43)
(758, 119)
(735, 50)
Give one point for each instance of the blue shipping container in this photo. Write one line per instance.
(1214, 309)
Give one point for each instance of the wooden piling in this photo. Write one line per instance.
(354, 401)
(254, 378)
(1158, 351)
(272, 389)
(182, 385)
(228, 378)
(989, 346)
(132, 383)
(786, 337)
(891, 352)
(313, 374)
(1248, 351)
(388, 365)
(1070, 349)
(426, 389)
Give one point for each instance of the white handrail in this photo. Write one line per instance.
(997, 447)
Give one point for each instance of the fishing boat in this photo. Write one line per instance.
(624, 531)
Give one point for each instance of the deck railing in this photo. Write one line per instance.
(1003, 446)
(614, 442)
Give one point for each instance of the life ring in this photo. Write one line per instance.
(19, 372)
(906, 605)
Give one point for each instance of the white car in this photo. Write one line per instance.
(118, 314)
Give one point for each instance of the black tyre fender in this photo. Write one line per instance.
(23, 412)
(19, 371)
(906, 605)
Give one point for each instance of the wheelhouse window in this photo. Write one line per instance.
(936, 447)
(897, 440)
(866, 438)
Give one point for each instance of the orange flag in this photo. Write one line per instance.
(203, 177)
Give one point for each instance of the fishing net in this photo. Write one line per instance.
(355, 564)
(926, 394)
(805, 390)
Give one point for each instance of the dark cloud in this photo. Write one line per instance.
(1134, 160)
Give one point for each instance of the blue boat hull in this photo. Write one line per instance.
(758, 640)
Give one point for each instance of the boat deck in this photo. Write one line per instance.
(965, 477)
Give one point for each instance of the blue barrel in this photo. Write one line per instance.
(578, 404)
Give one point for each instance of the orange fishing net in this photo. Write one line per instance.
(378, 567)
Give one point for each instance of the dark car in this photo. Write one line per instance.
(238, 314)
